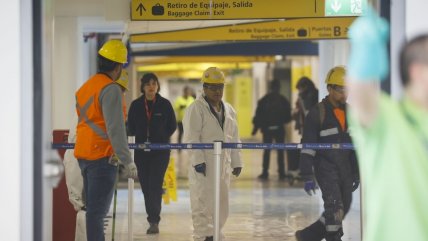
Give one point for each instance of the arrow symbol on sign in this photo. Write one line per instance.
(336, 6)
(141, 8)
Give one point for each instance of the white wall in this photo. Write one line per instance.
(416, 17)
(26, 126)
(74, 61)
(65, 73)
(398, 13)
(15, 124)
(259, 81)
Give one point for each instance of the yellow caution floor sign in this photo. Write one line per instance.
(170, 183)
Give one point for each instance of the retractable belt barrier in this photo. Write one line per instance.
(201, 146)
(217, 147)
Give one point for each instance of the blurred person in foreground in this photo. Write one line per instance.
(391, 136)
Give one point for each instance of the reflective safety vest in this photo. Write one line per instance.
(180, 106)
(92, 141)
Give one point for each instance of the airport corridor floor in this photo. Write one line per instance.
(259, 211)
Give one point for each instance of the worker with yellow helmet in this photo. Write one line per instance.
(123, 83)
(335, 171)
(210, 119)
(101, 134)
(123, 80)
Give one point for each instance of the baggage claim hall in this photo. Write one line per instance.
(216, 103)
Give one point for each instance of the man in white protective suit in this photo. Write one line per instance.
(74, 181)
(210, 119)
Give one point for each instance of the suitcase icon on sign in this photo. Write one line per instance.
(157, 9)
(302, 32)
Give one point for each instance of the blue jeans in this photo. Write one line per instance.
(98, 179)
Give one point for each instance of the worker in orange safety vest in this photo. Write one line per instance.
(101, 135)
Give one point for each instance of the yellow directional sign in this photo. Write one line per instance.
(225, 9)
(293, 29)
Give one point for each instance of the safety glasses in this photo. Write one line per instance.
(340, 89)
(214, 87)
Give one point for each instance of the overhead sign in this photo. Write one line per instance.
(201, 59)
(345, 7)
(293, 29)
(225, 9)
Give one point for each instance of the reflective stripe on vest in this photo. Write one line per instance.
(332, 228)
(92, 141)
(91, 124)
(329, 132)
(310, 152)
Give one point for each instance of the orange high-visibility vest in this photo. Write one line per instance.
(92, 141)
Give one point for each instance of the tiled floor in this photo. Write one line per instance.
(259, 211)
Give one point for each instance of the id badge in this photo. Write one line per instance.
(146, 145)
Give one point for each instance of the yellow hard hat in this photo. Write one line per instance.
(123, 79)
(213, 75)
(336, 76)
(114, 50)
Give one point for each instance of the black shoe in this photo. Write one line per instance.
(210, 238)
(263, 176)
(283, 177)
(153, 229)
(334, 236)
(298, 235)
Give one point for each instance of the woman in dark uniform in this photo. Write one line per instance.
(151, 119)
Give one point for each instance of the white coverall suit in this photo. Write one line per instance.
(201, 126)
(74, 181)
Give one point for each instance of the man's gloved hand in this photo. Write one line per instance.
(310, 185)
(131, 170)
(355, 185)
(368, 60)
(201, 168)
(237, 171)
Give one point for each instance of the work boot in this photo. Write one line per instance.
(298, 235)
(283, 177)
(334, 236)
(153, 229)
(210, 238)
(263, 176)
(315, 232)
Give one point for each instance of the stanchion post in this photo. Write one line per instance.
(131, 139)
(217, 173)
(130, 209)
